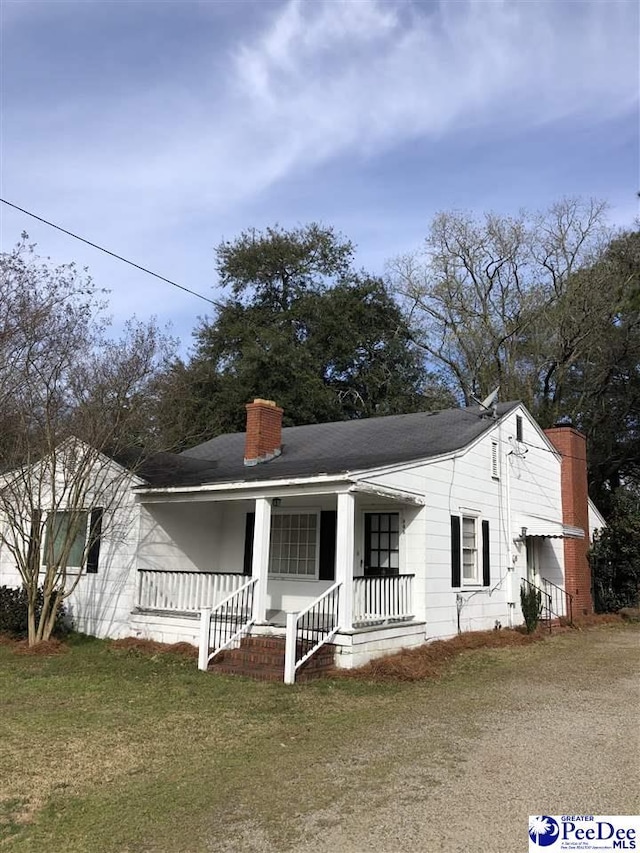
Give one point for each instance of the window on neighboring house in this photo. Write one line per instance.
(76, 535)
(294, 545)
(519, 428)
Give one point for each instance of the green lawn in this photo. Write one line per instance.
(109, 750)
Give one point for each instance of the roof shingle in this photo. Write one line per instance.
(332, 448)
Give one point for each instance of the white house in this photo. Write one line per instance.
(379, 533)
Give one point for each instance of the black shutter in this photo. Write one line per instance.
(455, 550)
(95, 532)
(328, 523)
(250, 524)
(486, 566)
(35, 535)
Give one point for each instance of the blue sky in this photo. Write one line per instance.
(159, 128)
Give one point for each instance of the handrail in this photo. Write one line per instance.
(556, 593)
(382, 575)
(226, 617)
(302, 626)
(187, 572)
(545, 601)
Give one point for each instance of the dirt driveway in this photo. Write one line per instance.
(552, 729)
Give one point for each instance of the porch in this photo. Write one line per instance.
(377, 599)
(316, 567)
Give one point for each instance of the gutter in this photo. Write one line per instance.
(243, 485)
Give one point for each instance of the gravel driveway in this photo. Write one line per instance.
(553, 730)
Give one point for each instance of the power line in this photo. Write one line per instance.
(113, 254)
(548, 450)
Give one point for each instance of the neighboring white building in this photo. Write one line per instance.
(414, 526)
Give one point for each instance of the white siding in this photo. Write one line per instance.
(180, 537)
(101, 603)
(529, 484)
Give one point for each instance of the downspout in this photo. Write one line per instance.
(510, 554)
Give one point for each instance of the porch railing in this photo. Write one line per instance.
(309, 629)
(224, 625)
(382, 598)
(185, 592)
(560, 601)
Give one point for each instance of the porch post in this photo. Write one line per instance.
(260, 563)
(344, 557)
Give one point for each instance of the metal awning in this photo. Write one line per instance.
(547, 528)
(572, 532)
(540, 527)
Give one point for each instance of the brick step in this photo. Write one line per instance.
(263, 643)
(245, 657)
(263, 659)
(266, 673)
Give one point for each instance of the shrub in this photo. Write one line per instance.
(531, 603)
(615, 556)
(13, 613)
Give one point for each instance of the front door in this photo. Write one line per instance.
(381, 543)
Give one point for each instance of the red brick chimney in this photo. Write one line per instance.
(572, 445)
(263, 440)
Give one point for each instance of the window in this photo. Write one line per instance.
(76, 536)
(519, 428)
(66, 536)
(469, 550)
(381, 543)
(294, 545)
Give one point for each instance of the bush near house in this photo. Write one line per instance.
(13, 613)
(531, 603)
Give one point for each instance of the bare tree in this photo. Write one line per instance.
(71, 402)
(481, 294)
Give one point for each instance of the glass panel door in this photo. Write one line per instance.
(381, 543)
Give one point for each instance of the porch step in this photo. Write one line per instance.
(262, 658)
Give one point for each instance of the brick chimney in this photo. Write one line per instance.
(263, 439)
(572, 445)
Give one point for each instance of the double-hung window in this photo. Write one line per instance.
(72, 539)
(294, 546)
(469, 550)
(65, 539)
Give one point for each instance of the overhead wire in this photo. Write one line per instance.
(113, 254)
(548, 450)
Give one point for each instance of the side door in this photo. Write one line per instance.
(381, 543)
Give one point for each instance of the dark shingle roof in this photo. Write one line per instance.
(332, 448)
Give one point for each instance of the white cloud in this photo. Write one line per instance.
(320, 81)
(330, 78)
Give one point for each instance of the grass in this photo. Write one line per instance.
(109, 748)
